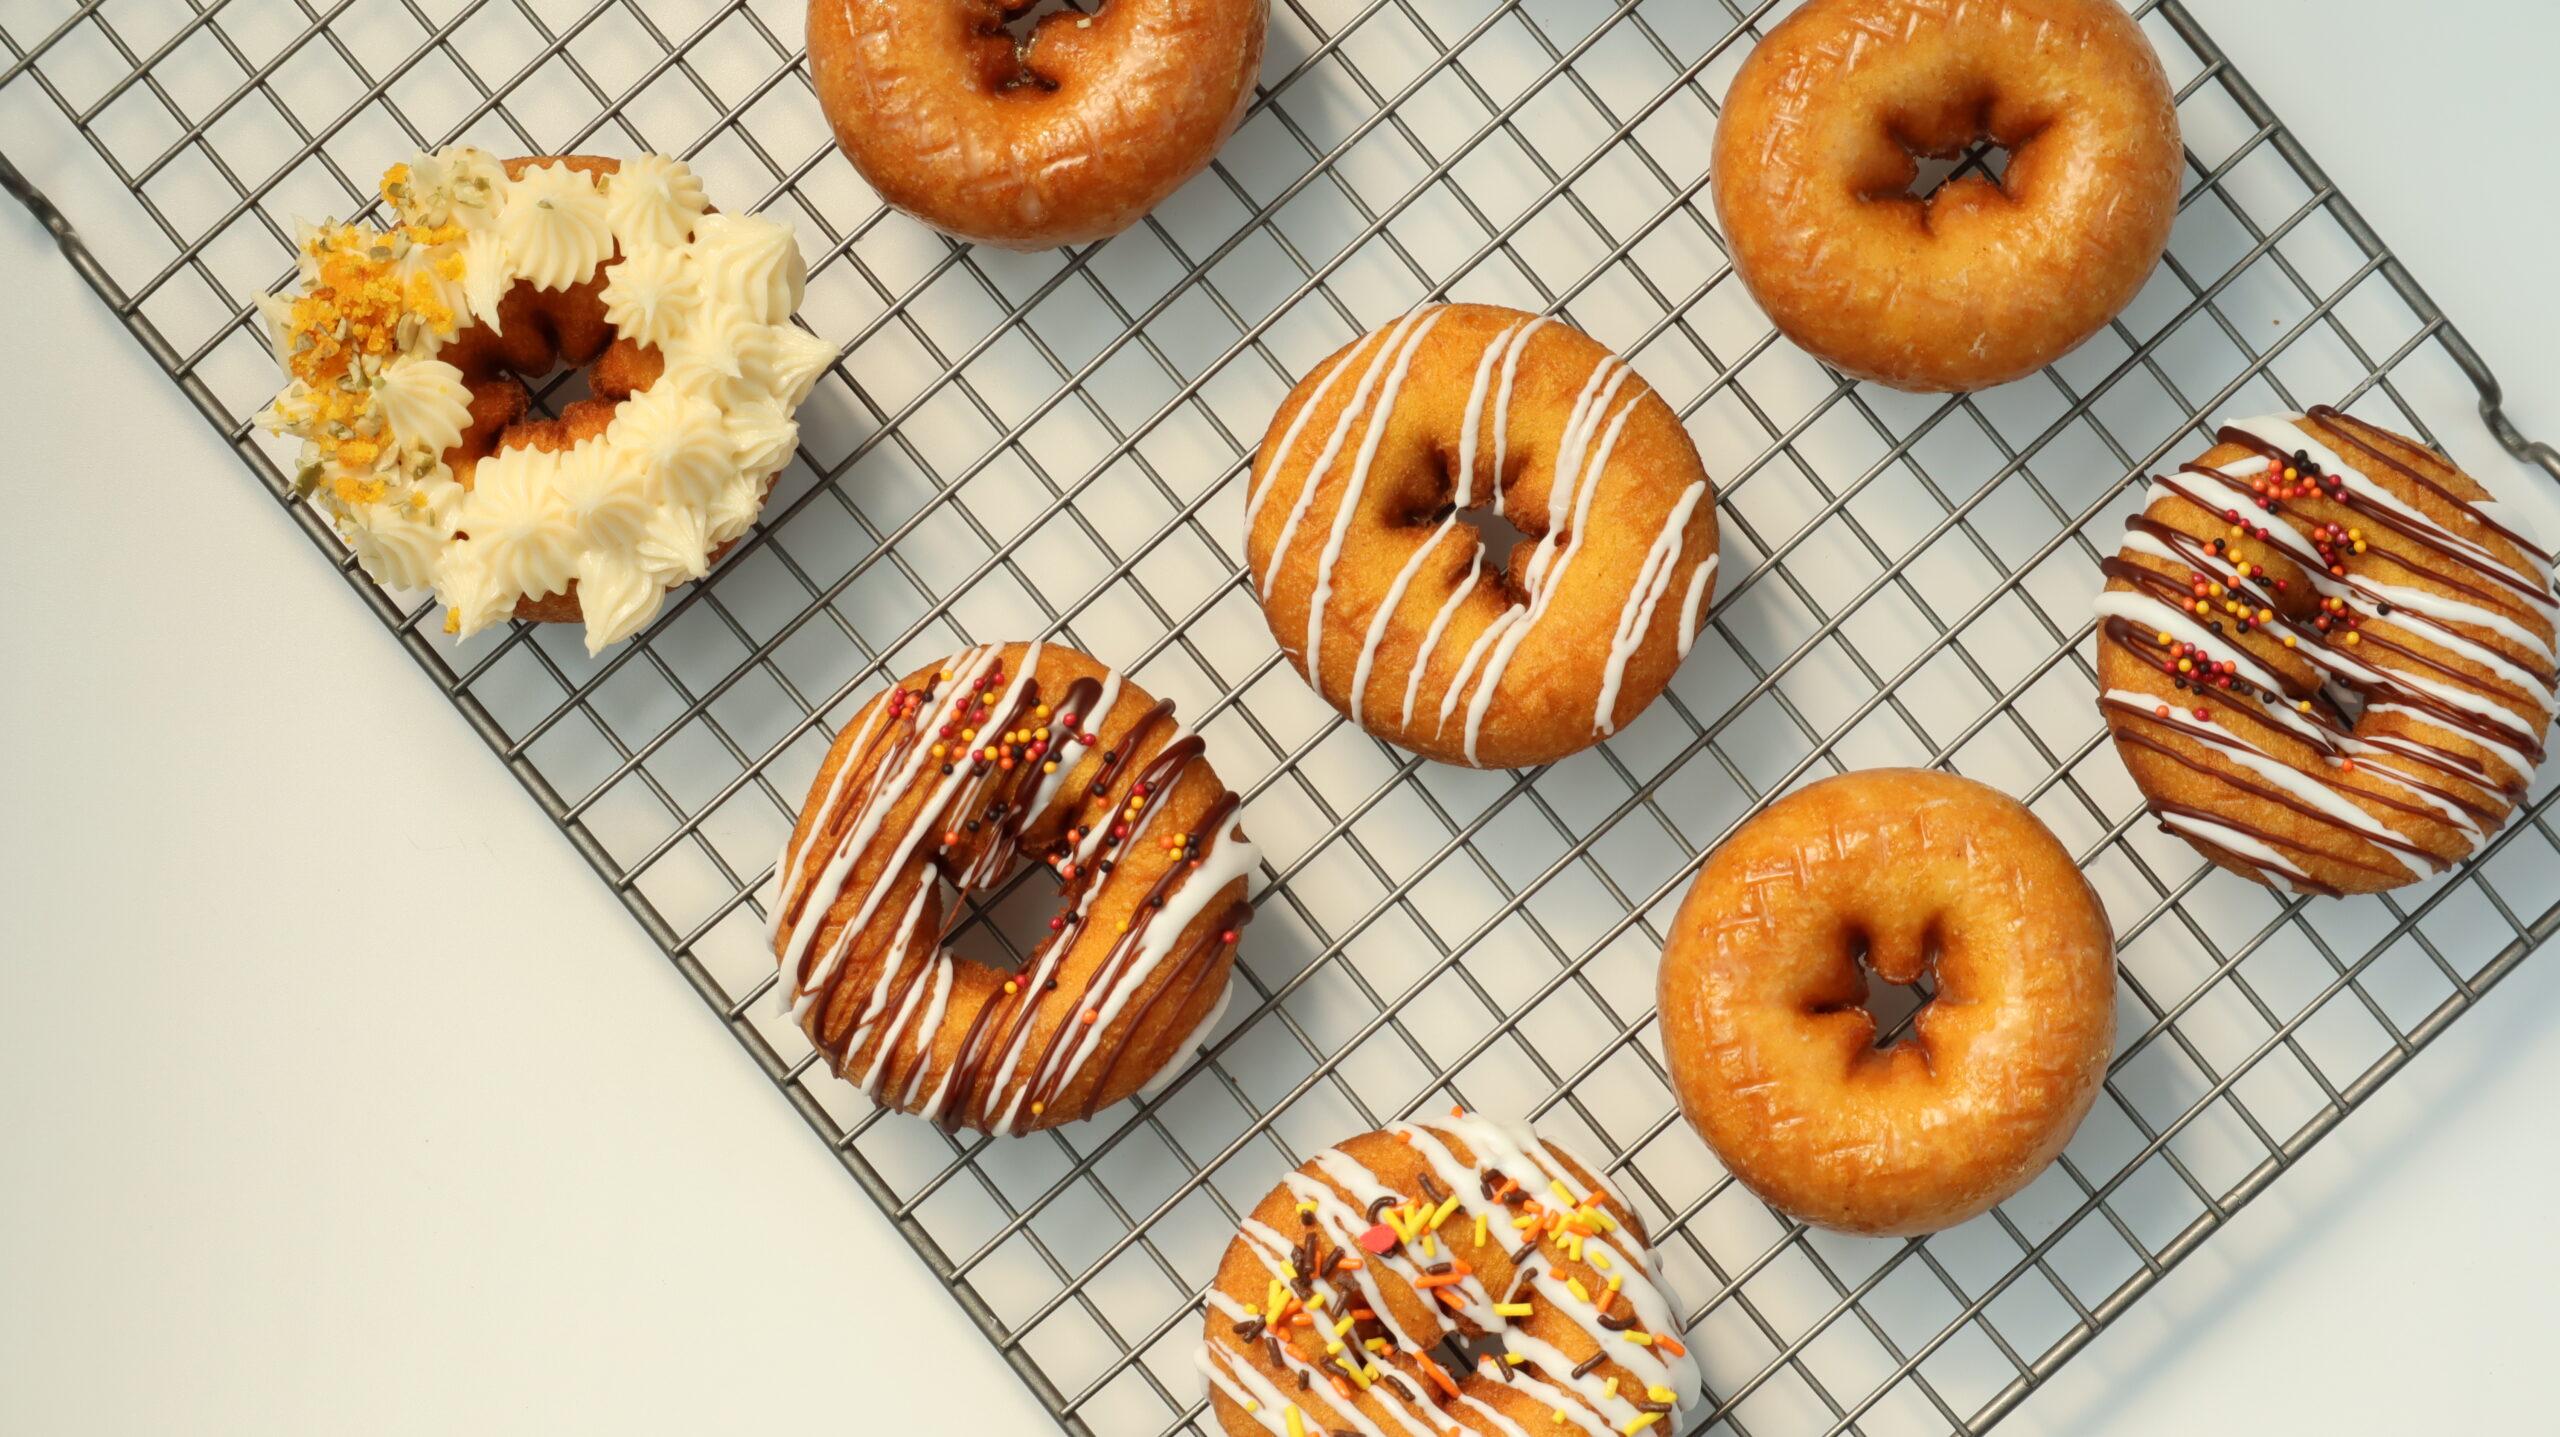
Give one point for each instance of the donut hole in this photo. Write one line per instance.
(1503, 540)
(1020, 23)
(1893, 1007)
(1985, 158)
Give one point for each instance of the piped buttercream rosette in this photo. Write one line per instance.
(678, 472)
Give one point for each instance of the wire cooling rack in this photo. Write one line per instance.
(1056, 444)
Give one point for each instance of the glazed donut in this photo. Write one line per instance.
(1006, 752)
(1984, 281)
(1071, 135)
(2326, 656)
(1340, 1304)
(402, 348)
(1924, 875)
(1379, 589)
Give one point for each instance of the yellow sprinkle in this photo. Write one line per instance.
(1609, 1390)
(1640, 1339)
(1514, 1358)
(1661, 1394)
(1289, 1271)
(1297, 1425)
(1513, 1309)
(1342, 1327)
(1347, 1365)
(1307, 1206)
(1252, 1406)
(1317, 1302)
(1574, 1286)
(1563, 1194)
(1480, 1226)
(1038, 1108)
(1614, 1279)
(1523, 1221)
(1332, 1349)
(1600, 1260)
(1446, 1208)
(1559, 1414)
(1574, 1249)
(1375, 1344)
(1638, 1424)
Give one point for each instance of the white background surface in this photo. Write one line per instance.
(338, 1097)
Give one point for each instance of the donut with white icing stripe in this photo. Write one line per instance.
(1342, 1303)
(2325, 656)
(403, 347)
(1380, 589)
(950, 781)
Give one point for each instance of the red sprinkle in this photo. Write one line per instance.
(1380, 1239)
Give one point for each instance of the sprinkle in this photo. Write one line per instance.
(1674, 1348)
(1381, 1239)
(1661, 1394)
(1480, 1227)
(1609, 1390)
(1443, 1212)
(1600, 1260)
(1641, 1339)
(1574, 1286)
(1297, 1425)
(1513, 1309)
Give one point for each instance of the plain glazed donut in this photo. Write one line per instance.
(1982, 282)
(1381, 592)
(1341, 1302)
(1072, 135)
(998, 754)
(2326, 657)
(1925, 875)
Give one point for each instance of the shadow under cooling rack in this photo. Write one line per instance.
(1054, 445)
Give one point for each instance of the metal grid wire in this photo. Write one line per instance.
(1055, 445)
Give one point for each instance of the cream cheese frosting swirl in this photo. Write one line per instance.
(681, 469)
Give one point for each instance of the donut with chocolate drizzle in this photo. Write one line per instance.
(2326, 655)
(952, 779)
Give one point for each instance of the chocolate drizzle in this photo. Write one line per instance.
(2367, 649)
(1016, 765)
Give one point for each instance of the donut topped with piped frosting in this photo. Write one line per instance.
(405, 346)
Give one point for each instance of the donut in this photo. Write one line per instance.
(998, 754)
(1343, 1300)
(1920, 875)
(1985, 280)
(2325, 655)
(1379, 588)
(402, 346)
(1071, 134)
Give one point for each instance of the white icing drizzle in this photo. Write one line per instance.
(1313, 479)
(1591, 433)
(1335, 1203)
(812, 885)
(1381, 417)
(1431, 635)
(2224, 836)
(714, 291)
(1635, 618)
(2422, 613)
(2293, 781)
(1701, 579)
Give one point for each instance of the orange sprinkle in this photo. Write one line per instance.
(1432, 1370)
(1456, 1111)
(1667, 1345)
(1450, 1299)
(1438, 1279)
(1402, 1136)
